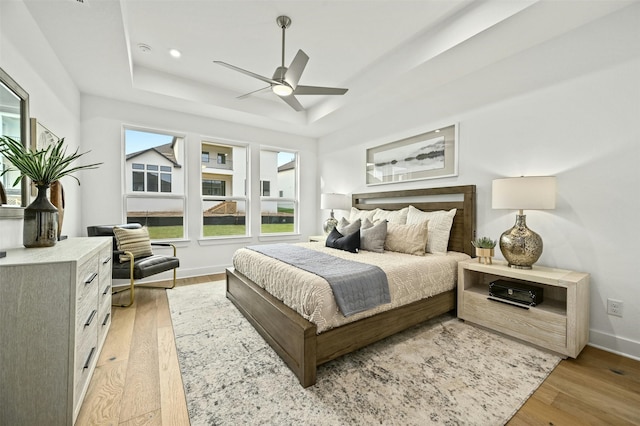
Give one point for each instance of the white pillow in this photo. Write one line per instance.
(356, 214)
(439, 227)
(392, 216)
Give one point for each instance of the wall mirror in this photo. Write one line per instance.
(14, 122)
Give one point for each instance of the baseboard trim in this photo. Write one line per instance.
(615, 344)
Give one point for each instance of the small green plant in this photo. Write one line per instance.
(484, 242)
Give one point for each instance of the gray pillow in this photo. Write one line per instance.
(345, 227)
(372, 236)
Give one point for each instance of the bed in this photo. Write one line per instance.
(297, 340)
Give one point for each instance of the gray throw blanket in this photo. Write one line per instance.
(356, 286)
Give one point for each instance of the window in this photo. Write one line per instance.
(154, 182)
(265, 188)
(213, 187)
(205, 157)
(224, 196)
(152, 178)
(278, 175)
(138, 181)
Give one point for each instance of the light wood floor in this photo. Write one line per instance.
(137, 380)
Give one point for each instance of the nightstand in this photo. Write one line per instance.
(560, 323)
(317, 238)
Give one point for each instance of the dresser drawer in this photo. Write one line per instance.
(535, 325)
(105, 260)
(104, 316)
(104, 295)
(87, 282)
(86, 353)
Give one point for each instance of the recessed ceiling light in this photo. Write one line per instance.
(175, 53)
(144, 48)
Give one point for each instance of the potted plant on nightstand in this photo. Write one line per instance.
(43, 167)
(484, 249)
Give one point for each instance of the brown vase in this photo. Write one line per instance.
(57, 199)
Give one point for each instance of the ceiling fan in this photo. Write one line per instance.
(284, 82)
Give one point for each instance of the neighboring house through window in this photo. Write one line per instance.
(154, 182)
(278, 175)
(224, 195)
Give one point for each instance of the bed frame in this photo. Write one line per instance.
(295, 339)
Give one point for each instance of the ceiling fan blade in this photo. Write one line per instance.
(296, 68)
(249, 73)
(293, 102)
(316, 90)
(246, 95)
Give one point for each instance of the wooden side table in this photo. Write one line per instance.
(560, 323)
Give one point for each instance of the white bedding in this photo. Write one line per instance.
(410, 278)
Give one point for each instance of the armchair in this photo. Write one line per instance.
(136, 268)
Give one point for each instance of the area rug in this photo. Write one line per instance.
(441, 372)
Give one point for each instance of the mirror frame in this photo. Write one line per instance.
(24, 137)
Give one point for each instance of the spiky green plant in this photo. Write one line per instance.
(484, 242)
(42, 166)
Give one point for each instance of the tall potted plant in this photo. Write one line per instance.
(43, 167)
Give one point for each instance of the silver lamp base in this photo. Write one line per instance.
(329, 224)
(520, 246)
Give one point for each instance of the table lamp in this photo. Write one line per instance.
(520, 246)
(333, 201)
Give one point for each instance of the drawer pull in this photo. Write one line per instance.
(106, 290)
(506, 302)
(90, 279)
(106, 319)
(88, 361)
(107, 260)
(90, 319)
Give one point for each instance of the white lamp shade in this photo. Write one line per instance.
(334, 201)
(524, 193)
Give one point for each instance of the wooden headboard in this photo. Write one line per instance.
(462, 198)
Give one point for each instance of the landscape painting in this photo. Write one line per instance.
(425, 156)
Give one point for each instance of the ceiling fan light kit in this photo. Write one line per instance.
(282, 89)
(284, 82)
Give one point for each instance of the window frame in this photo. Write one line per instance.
(246, 198)
(128, 193)
(295, 200)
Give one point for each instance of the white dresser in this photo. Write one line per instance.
(55, 311)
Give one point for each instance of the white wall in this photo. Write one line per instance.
(54, 101)
(584, 129)
(102, 121)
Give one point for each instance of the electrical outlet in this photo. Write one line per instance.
(615, 307)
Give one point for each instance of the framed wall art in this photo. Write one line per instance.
(41, 137)
(429, 155)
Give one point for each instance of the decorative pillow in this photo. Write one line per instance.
(347, 243)
(372, 236)
(393, 216)
(356, 214)
(345, 227)
(134, 240)
(410, 239)
(439, 227)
